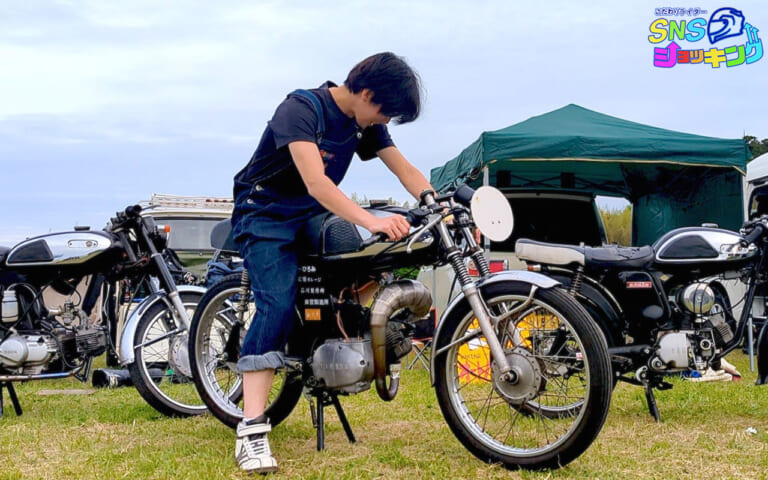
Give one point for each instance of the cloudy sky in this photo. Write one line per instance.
(103, 103)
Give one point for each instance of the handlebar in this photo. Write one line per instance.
(133, 210)
(756, 233)
(429, 204)
(414, 217)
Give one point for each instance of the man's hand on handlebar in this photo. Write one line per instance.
(395, 227)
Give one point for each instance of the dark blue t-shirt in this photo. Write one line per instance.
(296, 119)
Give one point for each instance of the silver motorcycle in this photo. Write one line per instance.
(62, 295)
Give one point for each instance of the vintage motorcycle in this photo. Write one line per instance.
(520, 370)
(663, 308)
(61, 295)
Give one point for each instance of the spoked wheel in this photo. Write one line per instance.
(161, 371)
(550, 407)
(216, 337)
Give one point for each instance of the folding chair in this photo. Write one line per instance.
(422, 338)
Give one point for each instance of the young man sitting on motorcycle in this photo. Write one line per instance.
(293, 175)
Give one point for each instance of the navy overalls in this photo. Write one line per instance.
(266, 222)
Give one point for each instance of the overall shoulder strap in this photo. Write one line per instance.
(306, 94)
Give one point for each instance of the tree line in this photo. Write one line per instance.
(757, 147)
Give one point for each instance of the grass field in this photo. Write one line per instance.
(113, 434)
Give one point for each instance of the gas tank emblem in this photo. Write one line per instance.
(82, 244)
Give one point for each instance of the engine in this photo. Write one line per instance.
(347, 365)
(27, 354)
(702, 330)
(683, 350)
(344, 365)
(33, 339)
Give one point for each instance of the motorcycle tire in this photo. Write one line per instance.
(161, 371)
(562, 386)
(218, 383)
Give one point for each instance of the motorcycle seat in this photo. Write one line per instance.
(611, 256)
(614, 256)
(221, 237)
(549, 253)
(3, 253)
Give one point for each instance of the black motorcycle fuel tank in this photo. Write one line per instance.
(59, 249)
(333, 239)
(701, 247)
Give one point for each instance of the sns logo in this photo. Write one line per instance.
(725, 23)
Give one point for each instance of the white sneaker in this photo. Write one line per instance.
(252, 450)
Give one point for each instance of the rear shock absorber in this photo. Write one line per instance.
(242, 305)
(577, 281)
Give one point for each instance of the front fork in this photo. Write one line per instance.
(472, 293)
(166, 281)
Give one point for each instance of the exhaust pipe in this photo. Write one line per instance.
(113, 378)
(400, 294)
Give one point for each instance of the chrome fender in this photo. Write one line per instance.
(132, 324)
(533, 278)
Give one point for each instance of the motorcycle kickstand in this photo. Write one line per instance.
(642, 378)
(343, 418)
(14, 399)
(653, 408)
(324, 399)
(650, 398)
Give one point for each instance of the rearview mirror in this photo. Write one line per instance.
(492, 213)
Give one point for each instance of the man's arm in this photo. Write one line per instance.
(411, 177)
(307, 158)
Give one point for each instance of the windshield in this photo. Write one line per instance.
(189, 233)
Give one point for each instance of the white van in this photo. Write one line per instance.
(191, 220)
(757, 184)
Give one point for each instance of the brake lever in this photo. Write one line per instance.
(418, 233)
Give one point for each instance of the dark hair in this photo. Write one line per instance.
(395, 86)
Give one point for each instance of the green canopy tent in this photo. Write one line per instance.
(672, 179)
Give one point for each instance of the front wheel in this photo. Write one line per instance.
(161, 371)
(553, 403)
(215, 339)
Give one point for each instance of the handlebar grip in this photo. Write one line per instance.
(756, 233)
(375, 238)
(424, 194)
(132, 210)
(463, 194)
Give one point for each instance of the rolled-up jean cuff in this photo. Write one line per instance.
(254, 363)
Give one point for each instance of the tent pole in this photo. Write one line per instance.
(486, 240)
